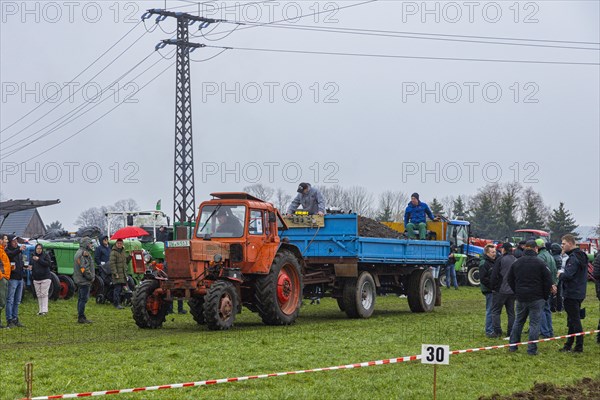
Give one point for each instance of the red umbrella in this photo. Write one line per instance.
(129, 232)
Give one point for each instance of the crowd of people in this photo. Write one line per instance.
(531, 282)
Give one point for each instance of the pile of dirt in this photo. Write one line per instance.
(586, 389)
(368, 227)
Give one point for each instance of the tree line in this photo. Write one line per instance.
(495, 211)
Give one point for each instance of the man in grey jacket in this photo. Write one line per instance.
(310, 198)
(83, 275)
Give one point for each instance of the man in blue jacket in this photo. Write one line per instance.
(574, 281)
(415, 217)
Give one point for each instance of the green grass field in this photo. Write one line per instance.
(113, 353)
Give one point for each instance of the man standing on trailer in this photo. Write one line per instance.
(310, 198)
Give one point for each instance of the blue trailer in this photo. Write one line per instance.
(355, 269)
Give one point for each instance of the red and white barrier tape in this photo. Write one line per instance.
(251, 377)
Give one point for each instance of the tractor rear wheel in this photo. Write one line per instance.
(278, 294)
(220, 306)
(54, 291)
(197, 309)
(473, 275)
(149, 309)
(421, 291)
(67, 287)
(359, 296)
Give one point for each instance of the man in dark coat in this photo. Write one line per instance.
(118, 271)
(530, 280)
(102, 253)
(574, 281)
(485, 272)
(503, 296)
(556, 250)
(519, 250)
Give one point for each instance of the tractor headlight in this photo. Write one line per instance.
(147, 256)
(218, 258)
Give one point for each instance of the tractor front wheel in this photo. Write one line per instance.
(278, 294)
(220, 306)
(149, 309)
(67, 287)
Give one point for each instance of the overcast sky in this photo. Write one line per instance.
(427, 122)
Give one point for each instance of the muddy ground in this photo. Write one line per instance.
(586, 389)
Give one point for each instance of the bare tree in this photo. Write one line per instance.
(282, 200)
(93, 217)
(261, 191)
(448, 203)
(125, 205)
(392, 203)
(359, 201)
(334, 196)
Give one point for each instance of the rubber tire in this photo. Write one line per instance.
(141, 316)
(197, 309)
(340, 303)
(443, 278)
(473, 275)
(54, 290)
(97, 287)
(68, 284)
(359, 296)
(420, 286)
(265, 295)
(218, 292)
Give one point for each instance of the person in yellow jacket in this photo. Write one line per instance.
(4, 275)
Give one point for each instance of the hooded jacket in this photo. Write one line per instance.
(4, 264)
(485, 274)
(102, 253)
(118, 264)
(574, 277)
(83, 268)
(40, 268)
(546, 257)
(529, 278)
(15, 255)
(313, 202)
(416, 214)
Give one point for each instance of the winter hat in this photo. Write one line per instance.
(302, 187)
(530, 244)
(507, 246)
(415, 195)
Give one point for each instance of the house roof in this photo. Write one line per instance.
(11, 206)
(17, 222)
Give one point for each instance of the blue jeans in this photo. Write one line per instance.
(533, 310)
(83, 295)
(15, 291)
(451, 274)
(489, 328)
(546, 323)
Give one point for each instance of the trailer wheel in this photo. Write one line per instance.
(220, 306)
(54, 291)
(149, 310)
(278, 294)
(421, 291)
(340, 303)
(197, 309)
(359, 296)
(67, 287)
(473, 275)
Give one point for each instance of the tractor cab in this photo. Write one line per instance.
(466, 254)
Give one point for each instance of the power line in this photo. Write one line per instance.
(405, 57)
(73, 114)
(96, 120)
(372, 32)
(78, 75)
(74, 93)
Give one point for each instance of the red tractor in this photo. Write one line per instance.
(235, 257)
